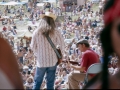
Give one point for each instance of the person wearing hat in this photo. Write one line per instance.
(46, 56)
(89, 57)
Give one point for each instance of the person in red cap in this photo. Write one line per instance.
(110, 39)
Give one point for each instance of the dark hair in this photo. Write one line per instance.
(30, 50)
(51, 23)
(86, 44)
(20, 50)
(107, 50)
(107, 47)
(105, 39)
(29, 72)
(23, 72)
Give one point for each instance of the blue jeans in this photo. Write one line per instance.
(50, 76)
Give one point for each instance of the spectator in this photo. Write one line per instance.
(29, 83)
(20, 56)
(29, 28)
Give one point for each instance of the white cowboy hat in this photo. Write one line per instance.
(49, 14)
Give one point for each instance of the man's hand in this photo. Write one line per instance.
(76, 67)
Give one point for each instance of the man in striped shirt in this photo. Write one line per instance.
(46, 57)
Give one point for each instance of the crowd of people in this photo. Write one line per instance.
(88, 26)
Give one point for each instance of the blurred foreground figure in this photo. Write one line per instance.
(9, 71)
(110, 39)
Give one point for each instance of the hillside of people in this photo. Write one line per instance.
(20, 22)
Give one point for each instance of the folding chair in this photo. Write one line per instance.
(93, 69)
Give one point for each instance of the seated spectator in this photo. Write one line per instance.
(24, 76)
(29, 56)
(4, 21)
(20, 56)
(87, 37)
(29, 28)
(14, 26)
(69, 18)
(94, 24)
(29, 83)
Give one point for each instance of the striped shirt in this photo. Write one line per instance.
(42, 49)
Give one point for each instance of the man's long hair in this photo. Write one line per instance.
(47, 25)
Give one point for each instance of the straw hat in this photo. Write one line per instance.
(49, 14)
